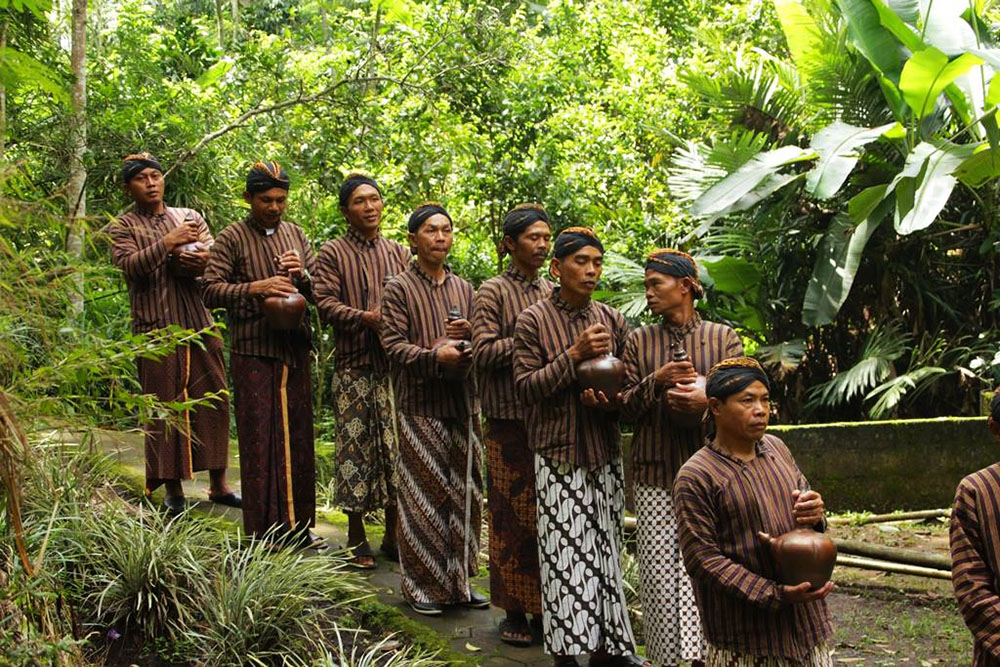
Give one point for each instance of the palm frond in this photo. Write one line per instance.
(891, 393)
(695, 167)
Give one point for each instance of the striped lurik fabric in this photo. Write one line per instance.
(718, 657)
(498, 303)
(559, 426)
(414, 312)
(245, 253)
(440, 497)
(659, 447)
(975, 555)
(350, 272)
(721, 504)
(157, 298)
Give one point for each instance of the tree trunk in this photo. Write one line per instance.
(76, 198)
(234, 7)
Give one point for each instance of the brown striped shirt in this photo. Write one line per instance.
(414, 311)
(559, 426)
(498, 303)
(721, 503)
(975, 555)
(660, 448)
(350, 275)
(244, 253)
(156, 296)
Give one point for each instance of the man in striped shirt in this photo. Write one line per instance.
(663, 401)
(578, 473)
(259, 257)
(151, 247)
(425, 333)
(729, 496)
(975, 553)
(350, 274)
(510, 470)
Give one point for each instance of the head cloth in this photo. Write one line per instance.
(266, 175)
(422, 213)
(733, 375)
(134, 165)
(677, 264)
(519, 219)
(354, 181)
(572, 239)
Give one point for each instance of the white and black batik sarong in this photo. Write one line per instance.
(670, 622)
(580, 513)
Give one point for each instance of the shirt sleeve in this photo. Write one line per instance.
(218, 288)
(135, 262)
(489, 348)
(734, 346)
(972, 578)
(703, 558)
(535, 380)
(416, 360)
(640, 392)
(328, 287)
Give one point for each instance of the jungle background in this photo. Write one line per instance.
(831, 163)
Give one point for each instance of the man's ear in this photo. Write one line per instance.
(554, 268)
(247, 197)
(714, 405)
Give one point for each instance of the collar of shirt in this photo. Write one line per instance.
(566, 307)
(761, 448)
(423, 275)
(518, 276)
(684, 329)
(260, 229)
(355, 237)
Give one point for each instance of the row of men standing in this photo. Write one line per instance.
(419, 355)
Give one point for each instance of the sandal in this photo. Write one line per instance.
(514, 633)
(363, 558)
(228, 499)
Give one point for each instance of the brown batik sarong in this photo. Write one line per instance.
(274, 423)
(440, 493)
(515, 583)
(196, 439)
(366, 444)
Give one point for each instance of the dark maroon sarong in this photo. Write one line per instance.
(274, 424)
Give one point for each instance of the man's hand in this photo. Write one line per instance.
(675, 372)
(687, 398)
(194, 262)
(452, 356)
(808, 509)
(801, 593)
(186, 232)
(598, 400)
(273, 286)
(371, 319)
(592, 342)
(458, 329)
(290, 264)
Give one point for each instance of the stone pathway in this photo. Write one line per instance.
(470, 632)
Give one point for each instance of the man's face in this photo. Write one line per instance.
(268, 206)
(433, 239)
(665, 293)
(364, 209)
(532, 246)
(744, 414)
(146, 187)
(578, 273)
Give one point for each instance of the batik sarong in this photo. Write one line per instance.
(274, 424)
(366, 445)
(515, 583)
(191, 440)
(440, 494)
(670, 621)
(580, 515)
(720, 657)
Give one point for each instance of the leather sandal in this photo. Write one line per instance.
(361, 553)
(228, 499)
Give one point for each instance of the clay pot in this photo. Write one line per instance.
(605, 373)
(452, 373)
(687, 419)
(173, 260)
(804, 555)
(285, 312)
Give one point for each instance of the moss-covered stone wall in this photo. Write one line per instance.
(881, 466)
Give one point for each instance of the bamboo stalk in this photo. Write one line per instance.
(894, 554)
(885, 518)
(896, 568)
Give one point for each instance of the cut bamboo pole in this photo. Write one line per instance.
(893, 554)
(896, 568)
(885, 518)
